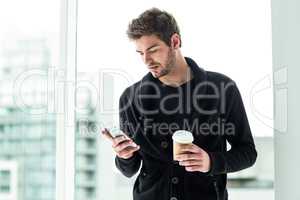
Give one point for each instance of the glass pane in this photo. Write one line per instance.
(221, 36)
(29, 51)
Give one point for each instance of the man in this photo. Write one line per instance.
(179, 95)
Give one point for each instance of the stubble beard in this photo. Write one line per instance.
(170, 64)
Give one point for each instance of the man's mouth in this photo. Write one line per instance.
(152, 67)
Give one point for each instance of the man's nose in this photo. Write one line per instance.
(147, 59)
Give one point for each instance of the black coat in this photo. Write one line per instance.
(161, 178)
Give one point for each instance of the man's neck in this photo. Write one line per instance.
(180, 74)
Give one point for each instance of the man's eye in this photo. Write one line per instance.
(152, 50)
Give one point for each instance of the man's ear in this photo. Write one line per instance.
(175, 41)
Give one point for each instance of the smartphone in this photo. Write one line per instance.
(115, 132)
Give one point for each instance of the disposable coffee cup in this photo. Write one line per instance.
(181, 138)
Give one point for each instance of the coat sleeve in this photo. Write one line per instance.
(128, 124)
(242, 153)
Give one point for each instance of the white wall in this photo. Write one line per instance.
(232, 37)
(286, 66)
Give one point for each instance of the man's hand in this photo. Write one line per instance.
(194, 159)
(122, 145)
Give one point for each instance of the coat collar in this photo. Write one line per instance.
(199, 76)
(148, 86)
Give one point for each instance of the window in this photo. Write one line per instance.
(37, 46)
(230, 37)
(29, 47)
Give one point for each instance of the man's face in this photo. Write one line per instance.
(158, 57)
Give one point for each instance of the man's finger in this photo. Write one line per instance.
(190, 163)
(124, 145)
(119, 139)
(128, 151)
(190, 156)
(107, 134)
(191, 148)
(193, 168)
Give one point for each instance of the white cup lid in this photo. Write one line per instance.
(183, 136)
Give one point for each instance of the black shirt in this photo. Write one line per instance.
(210, 106)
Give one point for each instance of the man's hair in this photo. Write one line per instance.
(154, 22)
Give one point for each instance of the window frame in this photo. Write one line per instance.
(66, 101)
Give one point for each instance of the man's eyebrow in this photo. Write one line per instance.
(155, 45)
